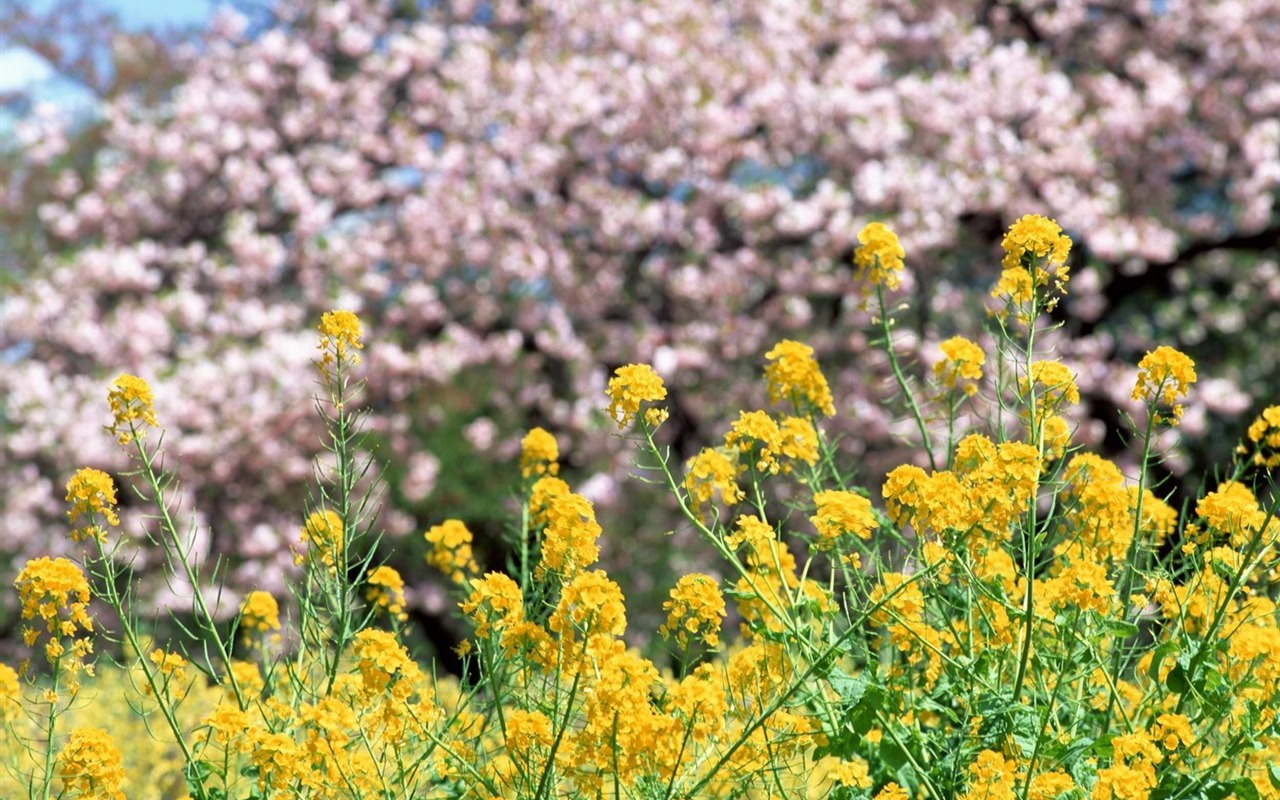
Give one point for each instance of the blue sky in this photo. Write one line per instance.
(153, 13)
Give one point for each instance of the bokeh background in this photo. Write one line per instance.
(518, 196)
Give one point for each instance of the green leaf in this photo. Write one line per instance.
(1157, 658)
(894, 757)
(850, 688)
(1245, 790)
(1273, 772)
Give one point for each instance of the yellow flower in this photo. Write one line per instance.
(527, 730)
(570, 533)
(91, 492)
(879, 256)
(1165, 376)
(1056, 435)
(55, 590)
(1172, 731)
(173, 671)
(695, 611)
(539, 454)
(1035, 256)
(840, 513)
(385, 666)
(323, 531)
(277, 758)
(1034, 240)
(1265, 435)
(992, 775)
(495, 603)
(386, 591)
(751, 531)
(794, 374)
(132, 408)
(10, 694)
(259, 612)
(961, 364)
(340, 333)
(91, 765)
(451, 550)
(893, 791)
(1234, 510)
(632, 385)
(1057, 385)
(853, 774)
(591, 605)
(712, 471)
(1049, 785)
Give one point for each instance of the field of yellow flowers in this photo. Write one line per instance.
(1012, 617)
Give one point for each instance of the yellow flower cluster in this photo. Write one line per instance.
(91, 493)
(386, 592)
(1035, 271)
(451, 550)
(569, 529)
(340, 334)
(712, 471)
(1264, 432)
(631, 386)
(132, 408)
(1234, 511)
(171, 670)
(1165, 376)
(55, 591)
(793, 374)
(694, 611)
(385, 666)
(539, 454)
(840, 513)
(91, 766)
(1056, 385)
(590, 605)
(879, 256)
(323, 531)
(772, 446)
(752, 531)
(1033, 240)
(259, 612)
(10, 694)
(992, 775)
(988, 489)
(961, 365)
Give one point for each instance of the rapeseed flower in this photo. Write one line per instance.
(323, 531)
(793, 374)
(92, 766)
(879, 256)
(694, 611)
(1165, 376)
(91, 493)
(539, 454)
(260, 613)
(386, 592)
(132, 408)
(712, 471)
(451, 550)
(840, 513)
(340, 334)
(632, 386)
(961, 365)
